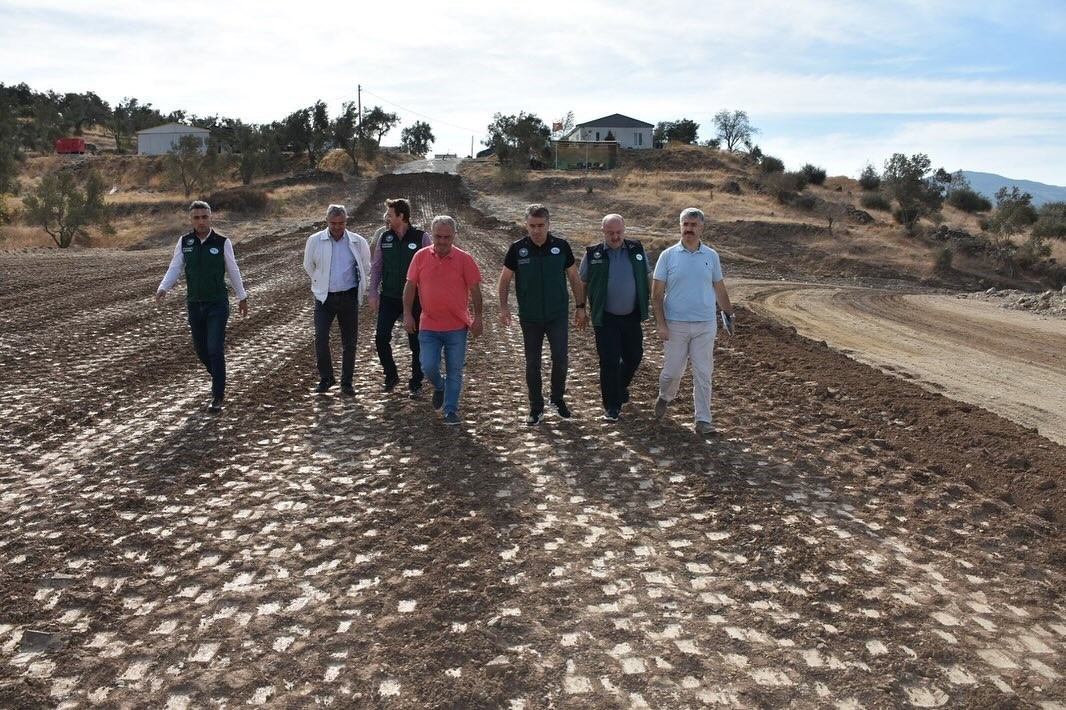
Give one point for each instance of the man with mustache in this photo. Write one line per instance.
(688, 288)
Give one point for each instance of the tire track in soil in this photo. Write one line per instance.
(831, 548)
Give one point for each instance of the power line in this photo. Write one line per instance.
(418, 113)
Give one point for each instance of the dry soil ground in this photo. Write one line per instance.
(849, 540)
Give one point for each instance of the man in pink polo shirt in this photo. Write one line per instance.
(446, 279)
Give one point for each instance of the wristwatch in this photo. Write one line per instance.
(579, 305)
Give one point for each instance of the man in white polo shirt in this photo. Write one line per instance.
(688, 287)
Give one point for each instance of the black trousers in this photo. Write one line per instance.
(390, 310)
(620, 345)
(207, 321)
(533, 333)
(344, 306)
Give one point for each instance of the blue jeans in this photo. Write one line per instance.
(453, 344)
(208, 324)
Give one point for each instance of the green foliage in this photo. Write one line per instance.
(344, 131)
(1051, 221)
(128, 117)
(910, 183)
(1014, 212)
(416, 138)
(518, 137)
(814, 174)
(967, 200)
(715, 143)
(734, 128)
(876, 201)
(10, 153)
(770, 164)
(869, 179)
(683, 130)
(65, 209)
(191, 165)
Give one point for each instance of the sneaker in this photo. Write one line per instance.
(438, 399)
(660, 408)
(534, 418)
(216, 406)
(705, 428)
(414, 390)
(612, 415)
(560, 407)
(390, 384)
(348, 390)
(324, 385)
(451, 418)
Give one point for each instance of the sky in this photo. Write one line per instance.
(835, 83)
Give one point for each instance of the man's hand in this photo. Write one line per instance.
(505, 316)
(159, 296)
(477, 327)
(242, 308)
(581, 318)
(664, 332)
(373, 301)
(409, 323)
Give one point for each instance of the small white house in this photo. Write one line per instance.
(163, 139)
(628, 132)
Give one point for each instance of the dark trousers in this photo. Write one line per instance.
(344, 306)
(208, 324)
(533, 334)
(390, 310)
(620, 345)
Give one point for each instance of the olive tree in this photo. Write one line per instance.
(65, 209)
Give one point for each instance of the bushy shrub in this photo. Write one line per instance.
(769, 164)
(944, 257)
(239, 199)
(1051, 221)
(967, 200)
(876, 201)
(814, 174)
(805, 202)
(869, 179)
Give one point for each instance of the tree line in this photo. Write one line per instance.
(31, 121)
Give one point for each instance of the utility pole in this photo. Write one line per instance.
(359, 102)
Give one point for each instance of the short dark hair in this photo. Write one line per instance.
(401, 207)
(538, 211)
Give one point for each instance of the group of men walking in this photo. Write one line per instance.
(434, 287)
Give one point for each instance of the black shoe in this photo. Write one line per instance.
(561, 408)
(348, 390)
(390, 384)
(414, 391)
(324, 385)
(534, 417)
(611, 415)
(438, 399)
(452, 418)
(216, 406)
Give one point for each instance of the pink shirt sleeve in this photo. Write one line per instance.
(472, 273)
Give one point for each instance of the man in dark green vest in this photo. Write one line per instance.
(205, 257)
(541, 264)
(393, 251)
(617, 280)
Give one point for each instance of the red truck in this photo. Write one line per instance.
(70, 146)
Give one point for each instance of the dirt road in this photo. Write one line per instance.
(849, 540)
(1010, 362)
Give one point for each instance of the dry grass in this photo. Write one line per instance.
(19, 237)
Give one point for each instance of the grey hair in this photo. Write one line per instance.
(536, 210)
(199, 205)
(444, 219)
(690, 213)
(608, 217)
(336, 211)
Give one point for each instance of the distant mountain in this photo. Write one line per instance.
(989, 183)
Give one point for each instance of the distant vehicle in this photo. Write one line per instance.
(70, 146)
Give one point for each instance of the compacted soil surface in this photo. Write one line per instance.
(847, 539)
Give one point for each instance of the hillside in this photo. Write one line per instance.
(988, 184)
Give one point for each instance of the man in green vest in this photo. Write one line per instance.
(206, 257)
(617, 280)
(541, 264)
(394, 249)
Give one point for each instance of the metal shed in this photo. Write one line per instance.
(160, 140)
